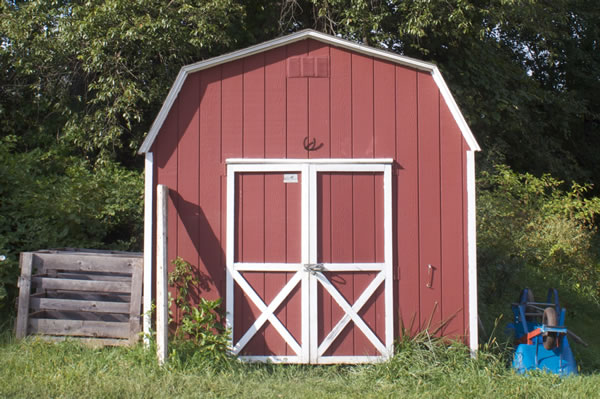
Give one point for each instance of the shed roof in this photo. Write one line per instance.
(321, 37)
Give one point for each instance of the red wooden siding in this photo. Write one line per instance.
(362, 108)
(452, 305)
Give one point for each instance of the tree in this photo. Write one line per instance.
(91, 75)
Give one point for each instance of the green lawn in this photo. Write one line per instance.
(34, 368)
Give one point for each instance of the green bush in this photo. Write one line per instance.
(201, 330)
(537, 232)
(52, 200)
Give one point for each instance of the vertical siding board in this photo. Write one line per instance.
(275, 100)
(362, 106)
(187, 166)
(384, 109)
(407, 198)
(341, 103)
(297, 106)
(429, 201)
(275, 226)
(232, 117)
(254, 106)
(318, 105)
(452, 224)
(384, 123)
(363, 221)
(211, 249)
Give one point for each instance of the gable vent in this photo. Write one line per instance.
(308, 67)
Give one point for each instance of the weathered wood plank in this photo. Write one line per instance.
(86, 251)
(24, 292)
(88, 296)
(83, 328)
(76, 315)
(136, 301)
(162, 264)
(97, 277)
(91, 342)
(37, 304)
(48, 283)
(85, 262)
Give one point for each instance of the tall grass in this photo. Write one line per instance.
(423, 367)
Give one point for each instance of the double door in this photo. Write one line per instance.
(309, 260)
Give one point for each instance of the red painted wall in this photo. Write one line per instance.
(362, 108)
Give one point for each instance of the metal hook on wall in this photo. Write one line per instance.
(311, 145)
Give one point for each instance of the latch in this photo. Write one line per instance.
(313, 268)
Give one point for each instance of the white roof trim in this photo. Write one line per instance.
(294, 37)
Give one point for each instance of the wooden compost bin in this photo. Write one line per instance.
(90, 295)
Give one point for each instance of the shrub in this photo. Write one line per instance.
(52, 200)
(533, 230)
(201, 331)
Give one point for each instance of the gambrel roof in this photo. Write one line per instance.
(324, 38)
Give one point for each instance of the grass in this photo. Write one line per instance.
(422, 368)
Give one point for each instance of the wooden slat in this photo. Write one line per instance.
(48, 283)
(87, 296)
(136, 302)
(86, 251)
(37, 304)
(94, 277)
(77, 315)
(79, 262)
(83, 328)
(24, 292)
(91, 342)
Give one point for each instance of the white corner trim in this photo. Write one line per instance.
(472, 252)
(148, 196)
(454, 110)
(294, 37)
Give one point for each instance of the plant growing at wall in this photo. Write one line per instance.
(202, 327)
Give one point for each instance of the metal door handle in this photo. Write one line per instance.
(430, 276)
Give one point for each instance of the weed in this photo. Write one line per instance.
(201, 331)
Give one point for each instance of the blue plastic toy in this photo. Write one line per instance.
(541, 336)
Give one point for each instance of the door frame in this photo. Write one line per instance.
(309, 169)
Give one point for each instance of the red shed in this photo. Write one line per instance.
(324, 189)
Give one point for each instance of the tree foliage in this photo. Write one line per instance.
(534, 227)
(92, 74)
(53, 201)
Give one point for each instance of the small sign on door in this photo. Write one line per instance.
(290, 178)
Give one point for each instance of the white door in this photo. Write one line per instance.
(299, 290)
